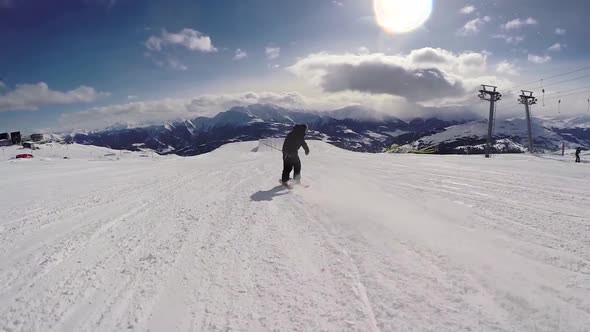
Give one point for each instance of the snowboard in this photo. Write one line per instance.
(291, 184)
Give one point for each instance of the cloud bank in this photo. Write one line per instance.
(425, 74)
(420, 83)
(31, 97)
(158, 111)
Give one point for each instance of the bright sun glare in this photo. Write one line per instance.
(399, 16)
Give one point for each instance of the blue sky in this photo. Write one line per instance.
(89, 64)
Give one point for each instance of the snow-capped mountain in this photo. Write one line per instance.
(367, 132)
(353, 128)
(510, 135)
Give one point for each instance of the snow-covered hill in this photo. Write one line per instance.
(582, 122)
(52, 151)
(510, 135)
(375, 242)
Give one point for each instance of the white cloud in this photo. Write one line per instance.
(188, 38)
(557, 47)
(467, 10)
(158, 111)
(506, 67)
(338, 3)
(131, 97)
(240, 54)
(31, 97)
(560, 32)
(464, 64)
(154, 43)
(473, 27)
(426, 74)
(512, 40)
(519, 23)
(439, 78)
(176, 65)
(166, 61)
(538, 59)
(272, 52)
(2, 84)
(363, 50)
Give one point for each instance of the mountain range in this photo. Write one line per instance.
(353, 128)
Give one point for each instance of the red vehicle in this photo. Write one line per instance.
(25, 156)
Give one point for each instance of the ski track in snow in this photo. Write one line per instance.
(375, 243)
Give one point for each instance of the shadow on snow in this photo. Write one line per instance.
(268, 195)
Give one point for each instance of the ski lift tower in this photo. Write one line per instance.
(527, 99)
(490, 93)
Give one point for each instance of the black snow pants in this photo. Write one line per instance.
(578, 158)
(291, 162)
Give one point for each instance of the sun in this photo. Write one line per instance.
(400, 16)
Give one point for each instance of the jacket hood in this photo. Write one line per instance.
(300, 128)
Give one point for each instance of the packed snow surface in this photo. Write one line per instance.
(371, 242)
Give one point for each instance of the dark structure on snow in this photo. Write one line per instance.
(29, 145)
(16, 137)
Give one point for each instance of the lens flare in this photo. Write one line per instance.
(400, 16)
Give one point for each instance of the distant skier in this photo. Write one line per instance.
(578, 150)
(295, 140)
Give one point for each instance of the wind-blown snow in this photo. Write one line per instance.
(376, 242)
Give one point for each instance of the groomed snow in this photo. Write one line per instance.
(376, 242)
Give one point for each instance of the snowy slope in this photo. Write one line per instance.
(51, 151)
(513, 127)
(581, 121)
(376, 242)
(514, 131)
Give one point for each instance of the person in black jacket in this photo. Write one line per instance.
(578, 150)
(295, 140)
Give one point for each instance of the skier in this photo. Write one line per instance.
(295, 140)
(578, 150)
